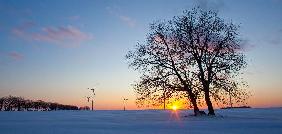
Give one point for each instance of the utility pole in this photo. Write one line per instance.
(92, 105)
(124, 102)
(88, 98)
(92, 101)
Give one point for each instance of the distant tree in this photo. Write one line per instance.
(1, 103)
(84, 108)
(20, 103)
(28, 105)
(14, 103)
(10, 103)
(53, 106)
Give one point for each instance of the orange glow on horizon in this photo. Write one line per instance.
(257, 101)
(118, 105)
(174, 107)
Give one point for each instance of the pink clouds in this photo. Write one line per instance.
(15, 55)
(63, 35)
(20, 30)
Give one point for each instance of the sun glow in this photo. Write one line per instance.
(174, 107)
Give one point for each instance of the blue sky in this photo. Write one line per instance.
(55, 50)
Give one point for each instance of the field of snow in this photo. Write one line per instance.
(231, 121)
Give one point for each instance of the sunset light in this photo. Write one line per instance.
(174, 107)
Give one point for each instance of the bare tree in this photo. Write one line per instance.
(162, 64)
(1, 103)
(197, 52)
(10, 103)
(28, 105)
(214, 46)
(20, 103)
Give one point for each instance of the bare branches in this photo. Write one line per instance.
(195, 52)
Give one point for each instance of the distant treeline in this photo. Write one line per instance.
(236, 107)
(14, 103)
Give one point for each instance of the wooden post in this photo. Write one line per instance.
(92, 105)
(124, 103)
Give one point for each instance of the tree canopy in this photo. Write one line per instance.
(198, 53)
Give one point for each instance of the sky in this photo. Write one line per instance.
(55, 50)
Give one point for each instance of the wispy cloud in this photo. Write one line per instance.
(74, 17)
(210, 4)
(129, 21)
(61, 35)
(22, 28)
(67, 36)
(124, 18)
(276, 39)
(15, 55)
(9, 57)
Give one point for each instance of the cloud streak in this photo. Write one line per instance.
(68, 36)
(129, 21)
(125, 19)
(61, 35)
(276, 39)
(15, 55)
(74, 17)
(210, 4)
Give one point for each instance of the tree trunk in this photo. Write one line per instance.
(194, 102)
(196, 109)
(19, 106)
(1, 105)
(208, 102)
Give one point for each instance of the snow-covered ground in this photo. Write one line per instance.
(231, 121)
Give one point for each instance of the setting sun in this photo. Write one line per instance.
(174, 107)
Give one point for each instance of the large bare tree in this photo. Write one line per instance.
(197, 52)
(214, 45)
(162, 64)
